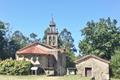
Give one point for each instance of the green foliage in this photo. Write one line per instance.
(66, 41)
(10, 43)
(45, 35)
(100, 38)
(33, 35)
(3, 41)
(12, 67)
(18, 39)
(33, 38)
(115, 64)
(70, 59)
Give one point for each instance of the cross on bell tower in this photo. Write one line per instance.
(52, 34)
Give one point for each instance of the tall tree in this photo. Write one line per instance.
(33, 35)
(45, 36)
(3, 41)
(19, 40)
(33, 38)
(100, 38)
(65, 40)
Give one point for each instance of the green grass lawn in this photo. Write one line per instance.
(41, 77)
(115, 79)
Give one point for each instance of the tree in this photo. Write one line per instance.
(33, 35)
(100, 38)
(65, 40)
(33, 38)
(3, 41)
(45, 36)
(19, 40)
(115, 64)
(16, 42)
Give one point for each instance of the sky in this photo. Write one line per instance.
(30, 16)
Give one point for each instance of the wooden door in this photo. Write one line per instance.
(88, 72)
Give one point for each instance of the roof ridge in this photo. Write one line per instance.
(29, 45)
(87, 56)
(46, 45)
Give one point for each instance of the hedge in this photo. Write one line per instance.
(13, 67)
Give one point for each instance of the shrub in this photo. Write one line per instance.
(12, 67)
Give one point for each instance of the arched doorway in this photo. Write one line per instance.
(37, 70)
(41, 71)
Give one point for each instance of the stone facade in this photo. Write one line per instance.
(43, 60)
(45, 56)
(93, 66)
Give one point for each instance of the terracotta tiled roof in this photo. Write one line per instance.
(90, 56)
(48, 46)
(35, 48)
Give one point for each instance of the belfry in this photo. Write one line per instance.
(52, 34)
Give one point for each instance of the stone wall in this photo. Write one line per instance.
(57, 61)
(42, 60)
(60, 66)
(100, 70)
(61, 63)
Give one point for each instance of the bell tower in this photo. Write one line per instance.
(52, 34)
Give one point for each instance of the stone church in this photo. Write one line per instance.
(46, 56)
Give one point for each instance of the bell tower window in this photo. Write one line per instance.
(49, 40)
(54, 40)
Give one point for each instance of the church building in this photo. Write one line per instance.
(47, 56)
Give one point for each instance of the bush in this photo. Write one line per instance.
(12, 67)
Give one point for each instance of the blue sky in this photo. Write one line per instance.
(34, 15)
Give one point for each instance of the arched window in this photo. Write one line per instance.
(54, 40)
(49, 40)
